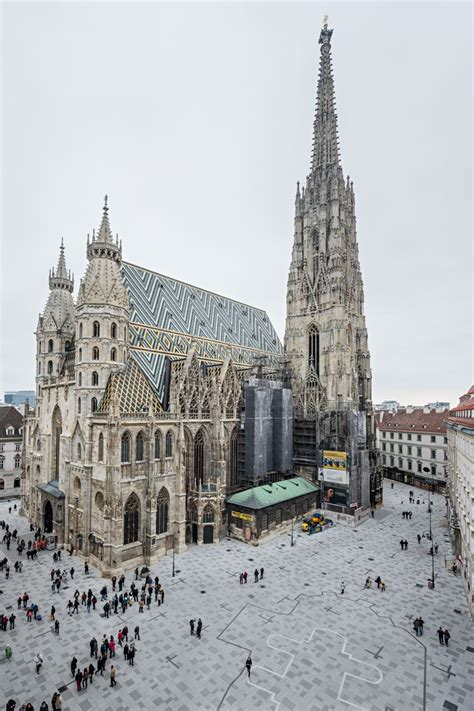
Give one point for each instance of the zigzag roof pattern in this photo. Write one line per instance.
(167, 316)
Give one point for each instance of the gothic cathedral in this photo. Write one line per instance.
(139, 431)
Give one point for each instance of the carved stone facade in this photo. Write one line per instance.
(119, 465)
(326, 348)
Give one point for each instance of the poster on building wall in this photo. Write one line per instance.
(334, 495)
(335, 468)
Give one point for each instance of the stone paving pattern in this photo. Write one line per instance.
(311, 647)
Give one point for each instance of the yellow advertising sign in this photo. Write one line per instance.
(334, 461)
(243, 516)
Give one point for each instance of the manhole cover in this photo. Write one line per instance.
(202, 592)
(370, 558)
(251, 560)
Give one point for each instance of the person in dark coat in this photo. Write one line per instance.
(199, 628)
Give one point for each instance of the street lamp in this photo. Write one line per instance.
(426, 469)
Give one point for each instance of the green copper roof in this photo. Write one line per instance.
(261, 496)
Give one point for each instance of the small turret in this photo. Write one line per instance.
(55, 331)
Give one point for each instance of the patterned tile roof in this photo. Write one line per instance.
(131, 390)
(168, 316)
(259, 497)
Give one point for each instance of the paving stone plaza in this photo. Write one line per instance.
(312, 647)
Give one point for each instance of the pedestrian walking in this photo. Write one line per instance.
(436, 547)
(38, 662)
(78, 678)
(113, 673)
(416, 626)
(91, 672)
(73, 666)
(86, 568)
(402, 543)
(191, 625)
(261, 573)
(255, 575)
(441, 635)
(248, 665)
(245, 576)
(241, 578)
(343, 587)
(137, 632)
(56, 627)
(447, 637)
(421, 624)
(199, 628)
(382, 586)
(85, 677)
(71, 573)
(419, 538)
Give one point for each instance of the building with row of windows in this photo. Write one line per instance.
(460, 427)
(11, 445)
(413, 446)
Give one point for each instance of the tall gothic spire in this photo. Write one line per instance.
(105, 233)
(325, 150)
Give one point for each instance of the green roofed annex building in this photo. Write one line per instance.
(256, 513)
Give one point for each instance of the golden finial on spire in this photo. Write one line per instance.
(325, 22)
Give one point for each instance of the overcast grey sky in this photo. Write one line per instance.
(196, 120)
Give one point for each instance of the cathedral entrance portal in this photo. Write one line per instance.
(48, 518)
(208, 535)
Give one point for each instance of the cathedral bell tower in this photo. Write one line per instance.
(55, 330)
(102, 318)
(325, 344)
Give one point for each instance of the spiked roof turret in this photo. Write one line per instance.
(103, 243)
(61, 278)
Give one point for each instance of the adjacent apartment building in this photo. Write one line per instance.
(11, 443)
(413, 445)
(460, 427)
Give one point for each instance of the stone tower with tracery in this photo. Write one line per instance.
(326, 349)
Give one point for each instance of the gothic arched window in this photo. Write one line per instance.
(313, 348)
(113, 354)
(78, 405)
(100, 456)
(95, 378)
(80, 330)
(199, 457)
(50, 345)
(157, 445)
(39, 368)
(96, 329)
(162, 505)
(169, 445)
(131, 519)
(95, 353)
(139, 447)
(50, 367)
(208, 514)
(94, 404)
(80, 379)
(80, 355)
(79, 451)
(125, 453)
(113, 330)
